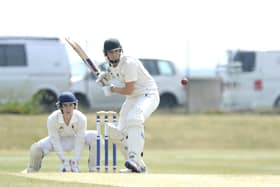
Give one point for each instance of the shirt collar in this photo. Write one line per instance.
(74, 118)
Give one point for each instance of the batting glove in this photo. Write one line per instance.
(104, 78)
(65, 165)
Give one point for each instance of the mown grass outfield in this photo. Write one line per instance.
(180, 150)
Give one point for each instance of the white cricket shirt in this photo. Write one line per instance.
(76, 129)
(131, 69)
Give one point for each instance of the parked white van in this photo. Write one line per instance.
(251, 80)
(165, 73)
(33, 67)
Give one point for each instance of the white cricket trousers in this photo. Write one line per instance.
(135, 110)
(133, 114)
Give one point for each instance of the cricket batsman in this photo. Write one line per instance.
(67, 131)
(142, 99)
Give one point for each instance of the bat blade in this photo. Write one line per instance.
(79, 50)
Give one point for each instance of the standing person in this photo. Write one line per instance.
(142, 99)
(66, 132)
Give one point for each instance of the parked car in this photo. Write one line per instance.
(33, 67)
(165, 73)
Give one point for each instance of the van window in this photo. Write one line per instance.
(247, 60)
(165, 68)
(151, 66)
(12, 55)
(158, 67)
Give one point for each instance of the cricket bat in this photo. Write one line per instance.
(79, 50)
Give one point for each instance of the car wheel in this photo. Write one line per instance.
(45, 100)
(167, 101)
(82, 101)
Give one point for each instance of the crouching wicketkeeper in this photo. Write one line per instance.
(67, 131)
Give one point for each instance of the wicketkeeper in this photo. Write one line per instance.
(142, 99)
(67, 131)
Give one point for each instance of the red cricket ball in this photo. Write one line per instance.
(184, 81)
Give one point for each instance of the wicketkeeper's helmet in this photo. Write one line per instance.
(111, 44)
(66, 97)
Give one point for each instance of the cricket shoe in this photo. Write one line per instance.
(131, 165)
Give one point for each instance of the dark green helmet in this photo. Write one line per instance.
(111, 44)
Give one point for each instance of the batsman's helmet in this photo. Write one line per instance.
(111, 44)
(66, 97)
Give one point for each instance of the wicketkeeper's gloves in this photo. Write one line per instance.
(65, 165)
(74, 165)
